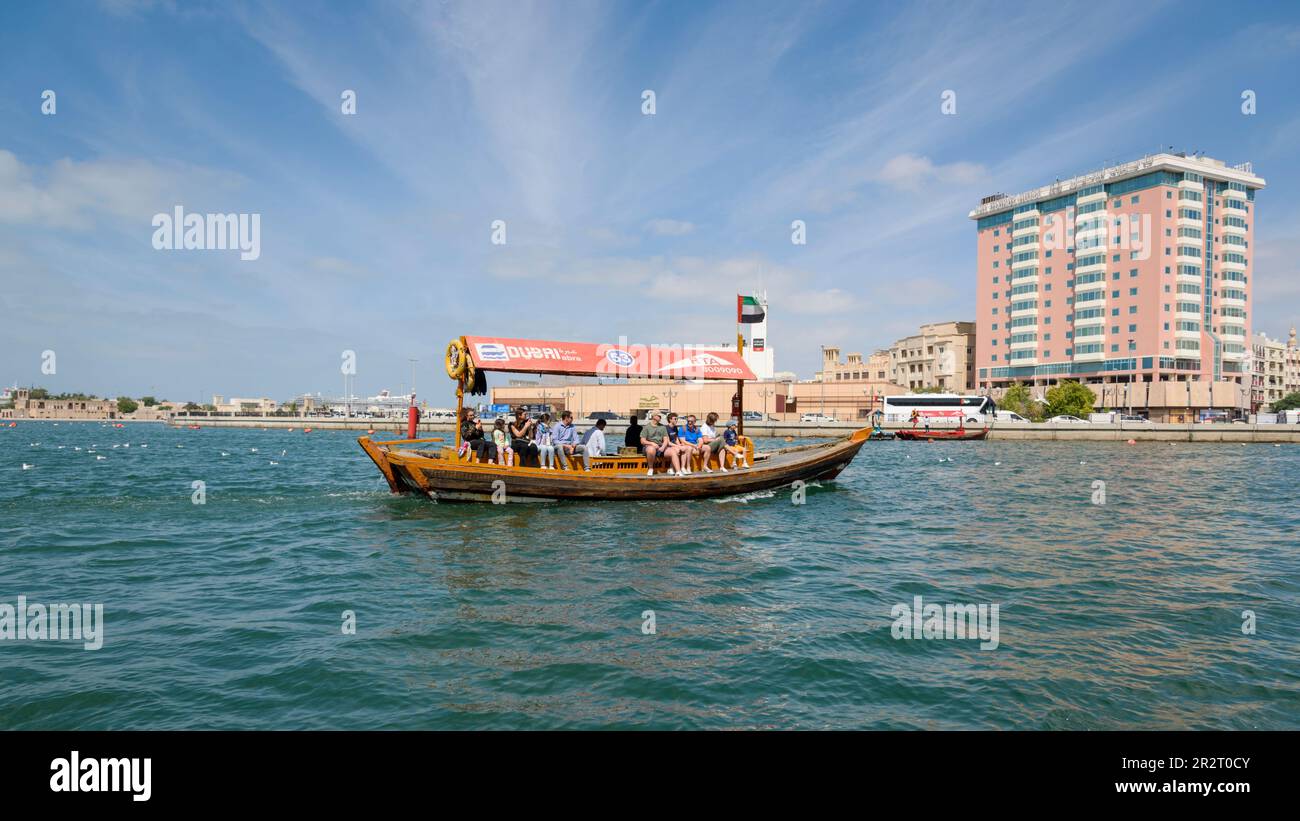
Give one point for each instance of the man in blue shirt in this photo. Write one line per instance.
(566, 442)
(691, 445)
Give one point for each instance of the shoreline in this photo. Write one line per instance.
(1006, 431)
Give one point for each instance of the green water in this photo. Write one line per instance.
(767, 614)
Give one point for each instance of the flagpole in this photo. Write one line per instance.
(740, 383)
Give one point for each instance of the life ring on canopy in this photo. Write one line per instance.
(457, 359)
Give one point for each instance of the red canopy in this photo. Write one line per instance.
(491, 353)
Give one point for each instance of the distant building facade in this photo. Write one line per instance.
(941, 355)
(1291, 366)
(25, 407)
(1138, 272)
(1268, 371)
(260, 406)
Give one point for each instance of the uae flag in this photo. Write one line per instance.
(748, 311)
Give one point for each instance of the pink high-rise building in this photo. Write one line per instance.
(1136, 273)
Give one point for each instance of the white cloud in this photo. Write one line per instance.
(669, 227)
(73, 194)
(912, 172)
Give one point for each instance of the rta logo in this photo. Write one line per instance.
(623, 359)
(491, 352)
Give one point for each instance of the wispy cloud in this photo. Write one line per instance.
(669, 228)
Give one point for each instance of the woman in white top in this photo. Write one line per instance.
(711, 438)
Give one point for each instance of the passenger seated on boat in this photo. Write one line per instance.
(693, 441)
(593, 441)
(709, 436)
(472, 439)
(566, 442)
(542, 439)
(676, 450)
(505, 455)
(731, 445)
(632, 439)
(654, 439)
(521, 438)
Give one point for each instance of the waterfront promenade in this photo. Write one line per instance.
(1024, 431)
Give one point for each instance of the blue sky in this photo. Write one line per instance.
(376, 227)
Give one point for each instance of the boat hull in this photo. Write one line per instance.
(615, 479)
(941, 435)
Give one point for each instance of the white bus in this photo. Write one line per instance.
(973, 409)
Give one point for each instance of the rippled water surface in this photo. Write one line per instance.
(768, 614)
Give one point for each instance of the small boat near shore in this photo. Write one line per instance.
(960, 433)
(941, 435)
(438, 470)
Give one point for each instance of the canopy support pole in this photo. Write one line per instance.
(740, 385)
(460, 404)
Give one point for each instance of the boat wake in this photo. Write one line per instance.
(746, 498)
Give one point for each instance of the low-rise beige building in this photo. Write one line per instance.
(1173, 402)
(25, 407)
(261, 406)
(625, 398)
(853, 368)
(941, 356)
(1268, 371)
(844, 400)
(1291, 367)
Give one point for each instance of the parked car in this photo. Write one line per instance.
(753, 416)
(1010, 416)
(1131, 418)
(1067, 418)
(816, 418)
(608, 416)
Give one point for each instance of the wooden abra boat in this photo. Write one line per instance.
(941, 435)
(434, 469)
(927, 434)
